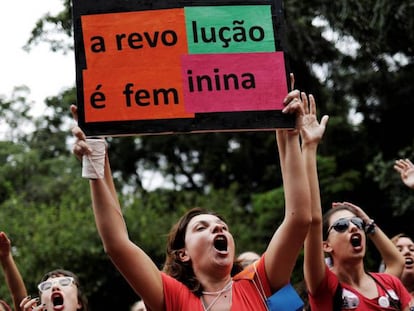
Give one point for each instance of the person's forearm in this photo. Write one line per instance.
(14, 280)
(310, 159)
(287, 241)
(108, 215)
(109, 179)
(294, 178)
(314, 263)
(393, 259)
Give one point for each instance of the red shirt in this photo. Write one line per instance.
(322, 300)
(245, 295)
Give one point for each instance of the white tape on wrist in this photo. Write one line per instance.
(93, 164)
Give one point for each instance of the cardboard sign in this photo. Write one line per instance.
(157, 68)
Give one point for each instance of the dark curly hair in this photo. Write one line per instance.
(183, 271)
(62, 272)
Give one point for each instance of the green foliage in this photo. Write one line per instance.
(15, 111)
(48, 218)
(269, 211)
(400, 201)
(57, 35)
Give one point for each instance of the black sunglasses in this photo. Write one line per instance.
(342, 224)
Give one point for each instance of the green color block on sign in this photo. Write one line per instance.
(229, 29)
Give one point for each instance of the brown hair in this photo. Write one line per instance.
(395, 238)
(183, 271)
(62, 272)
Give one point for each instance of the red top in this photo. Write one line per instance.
(322, 300)
(245, 294)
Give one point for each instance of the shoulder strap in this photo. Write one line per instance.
(261, 289)
(337, 298)
(396, 303)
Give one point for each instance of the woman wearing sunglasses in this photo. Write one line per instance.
(390, 254)
(201, 251)
(58, 290)
(341, 233)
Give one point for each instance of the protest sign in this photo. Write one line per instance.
(158, 68)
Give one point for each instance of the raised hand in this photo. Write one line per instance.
(406, 169)
(311, 130)
(358, 210)
(31, 304)
(5, 245)
(80, 147)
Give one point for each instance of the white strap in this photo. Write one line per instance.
(261, 290)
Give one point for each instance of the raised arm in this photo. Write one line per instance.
(134, 264)
(312, 132)
(406, 169)
(12, 274)
(287, 241)
(393, 259)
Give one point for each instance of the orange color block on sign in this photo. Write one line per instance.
(134, 38)
(135, 95)
(133, 67)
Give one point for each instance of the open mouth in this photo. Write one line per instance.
(409, 262)
(356, 240)
(57, 300)
(220, 243)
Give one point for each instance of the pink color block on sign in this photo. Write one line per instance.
(233, 82)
